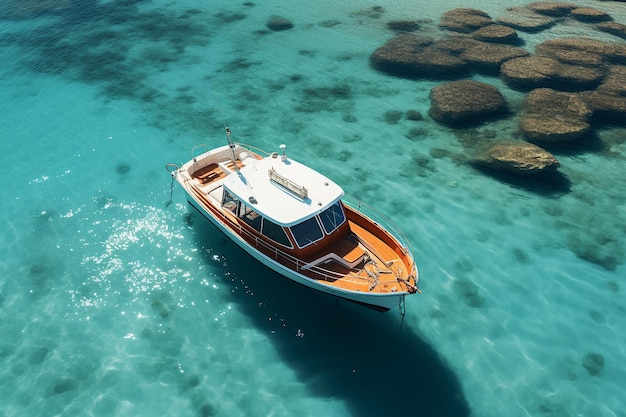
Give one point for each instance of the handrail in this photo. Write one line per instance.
(299, 263)
(326, 274)
(359, 206)
(253, 148)
(378, 218)
(203, 146)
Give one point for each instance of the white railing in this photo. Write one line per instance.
(299, 264)
(203, 149)
(254, 149)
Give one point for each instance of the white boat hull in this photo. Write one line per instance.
(377, 301)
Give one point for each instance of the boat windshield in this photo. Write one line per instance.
(332, 217)
(250, 216)
(307, 232)
(229, 201)
(275, 232)
(266, 227)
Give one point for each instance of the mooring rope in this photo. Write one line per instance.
(402, 309)
(173, 174)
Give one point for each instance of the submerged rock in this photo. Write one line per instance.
(582, 51)
(331, 23)
(534, 72)
(393, 117)
(593, 363)
(374, 12)
(614, 81)
(496, 34)
(403, 26)
(590, 15)
(465, 102)
(552, 8)
(606, 107)
(552, 116)
(614, 28)
(469, 292)
(598, 244)
(464, 20)
(279, 23)
(416, 56)
(414, 115)
(455, 44)
(519, 158)
(489, 57)
(526, 20)
(64, 385)
(608, 101)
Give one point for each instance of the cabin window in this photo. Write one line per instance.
(332, 217)
(275, 232)
(230, 202)
(307, 232)
(250, 216)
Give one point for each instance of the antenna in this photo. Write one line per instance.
(231, 145)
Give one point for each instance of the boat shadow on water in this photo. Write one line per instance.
(337, 348)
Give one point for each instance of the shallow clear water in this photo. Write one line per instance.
(114, 301)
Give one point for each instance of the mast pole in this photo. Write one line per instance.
(231, 145)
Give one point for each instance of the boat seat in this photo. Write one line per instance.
(210, 177)
(206, 174)
(351, 251)
(347, 253)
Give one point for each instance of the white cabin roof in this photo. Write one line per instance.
(275, 201)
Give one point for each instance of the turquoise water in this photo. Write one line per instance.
(115, 302)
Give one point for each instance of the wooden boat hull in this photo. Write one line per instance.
(378, 301)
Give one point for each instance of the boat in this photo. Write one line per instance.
(299, 223)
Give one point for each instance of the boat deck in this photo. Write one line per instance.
(370, 267)
(214, 172)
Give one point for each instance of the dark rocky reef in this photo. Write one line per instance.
(538, 16)
(520, 158)
(526, 20)
(593, 363)
(528, 73)
(590, 15)
(403, 26)
(465, 102)
(552, 8)
(614, 28)
(464, 20)
(496, 34)
(487, 58)
(414, 115)
(608, 101)
(554, 116)
(583, 51)
(415, 56)
(572, 83)
(279, 23)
